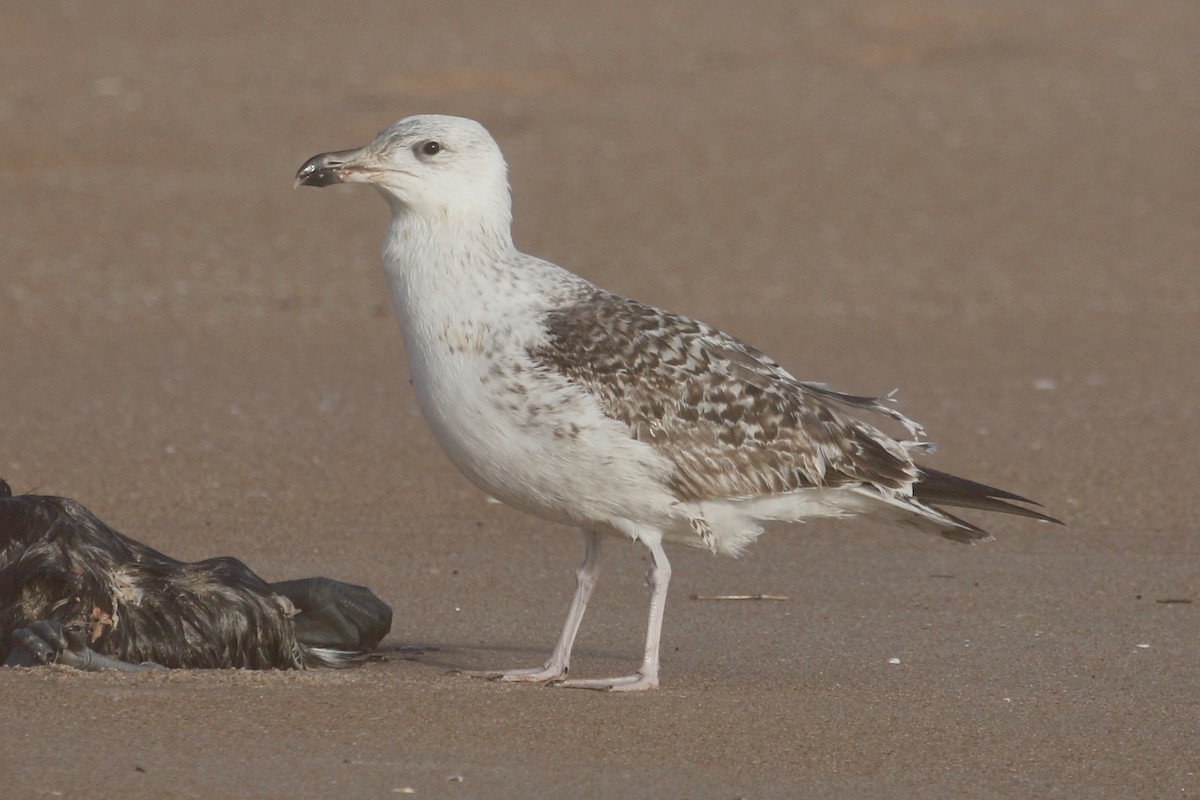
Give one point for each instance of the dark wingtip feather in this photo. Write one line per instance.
(941, 488)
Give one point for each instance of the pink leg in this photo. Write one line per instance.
(560, 658)
(647, 676)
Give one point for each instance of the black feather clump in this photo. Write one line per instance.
(130, 602)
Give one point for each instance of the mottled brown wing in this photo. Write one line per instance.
(733, 422)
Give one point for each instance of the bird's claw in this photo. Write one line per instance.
(48, 641)
(548, 675)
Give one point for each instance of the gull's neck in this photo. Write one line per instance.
(442, 268)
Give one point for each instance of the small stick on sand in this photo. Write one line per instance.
(740, 597)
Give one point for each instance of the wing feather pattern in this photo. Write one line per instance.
(733, 422)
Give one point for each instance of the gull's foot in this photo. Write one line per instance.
(546, 674)
(48, 641)
(637, 682)
(41, 642)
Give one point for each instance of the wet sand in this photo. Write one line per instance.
(992, 206)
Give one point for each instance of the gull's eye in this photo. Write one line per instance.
(430, 148)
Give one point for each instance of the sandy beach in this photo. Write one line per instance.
(991, 207)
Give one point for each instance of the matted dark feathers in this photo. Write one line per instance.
(59, 562)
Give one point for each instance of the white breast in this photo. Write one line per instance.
(526, 436)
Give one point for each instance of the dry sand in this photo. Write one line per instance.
(991, 205)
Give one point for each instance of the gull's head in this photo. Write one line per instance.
(430, 165)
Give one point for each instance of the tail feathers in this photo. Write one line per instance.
(936, 488)
(906, 510)
(325, 657)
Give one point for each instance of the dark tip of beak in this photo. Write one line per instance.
(325, 169)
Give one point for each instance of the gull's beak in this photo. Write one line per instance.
(344, 166)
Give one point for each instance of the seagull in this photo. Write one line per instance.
(596, 411)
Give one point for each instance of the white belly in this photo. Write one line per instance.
(533, 440)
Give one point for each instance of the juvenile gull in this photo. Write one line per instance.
(583, 407)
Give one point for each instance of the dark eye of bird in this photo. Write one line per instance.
(431, 148)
